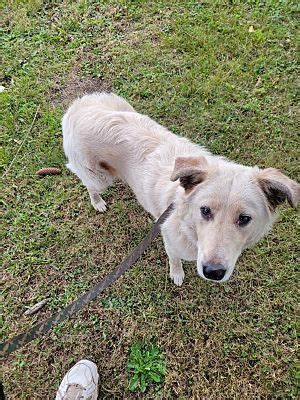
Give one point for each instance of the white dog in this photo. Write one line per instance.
(220, 207)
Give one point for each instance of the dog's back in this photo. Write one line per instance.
(96, 129)
(105, 138)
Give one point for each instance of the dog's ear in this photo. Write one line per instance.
(278, 188)
(190, 171)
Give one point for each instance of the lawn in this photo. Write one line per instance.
(222, 73)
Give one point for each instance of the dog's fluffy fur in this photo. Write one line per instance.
(220, 207)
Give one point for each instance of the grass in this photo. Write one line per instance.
(195, 68)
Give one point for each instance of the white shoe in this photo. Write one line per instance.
(80, 382)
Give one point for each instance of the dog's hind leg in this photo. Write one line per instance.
(95, 180)
(97, 202)
(96, 187)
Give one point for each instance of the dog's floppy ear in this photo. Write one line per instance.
(278, 188)
(190, 171)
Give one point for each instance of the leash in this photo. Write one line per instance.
(42, 327)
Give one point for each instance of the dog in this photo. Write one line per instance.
(220, 207)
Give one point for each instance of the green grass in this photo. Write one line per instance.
(195, 68)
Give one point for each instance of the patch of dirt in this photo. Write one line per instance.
(75, 85)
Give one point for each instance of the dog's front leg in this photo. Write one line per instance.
(176, 270)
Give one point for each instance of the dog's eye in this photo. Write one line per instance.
(243, 220)
(206, 212)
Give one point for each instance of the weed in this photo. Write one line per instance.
(147, 365)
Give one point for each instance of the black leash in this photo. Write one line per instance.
(39, 329)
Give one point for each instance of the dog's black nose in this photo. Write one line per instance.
(212, 271)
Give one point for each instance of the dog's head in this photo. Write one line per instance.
(230, 207)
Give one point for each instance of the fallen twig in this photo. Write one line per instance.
(32, 310)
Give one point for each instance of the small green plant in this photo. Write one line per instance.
(147, 364)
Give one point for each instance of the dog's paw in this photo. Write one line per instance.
(100, 205)
(177, 277)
